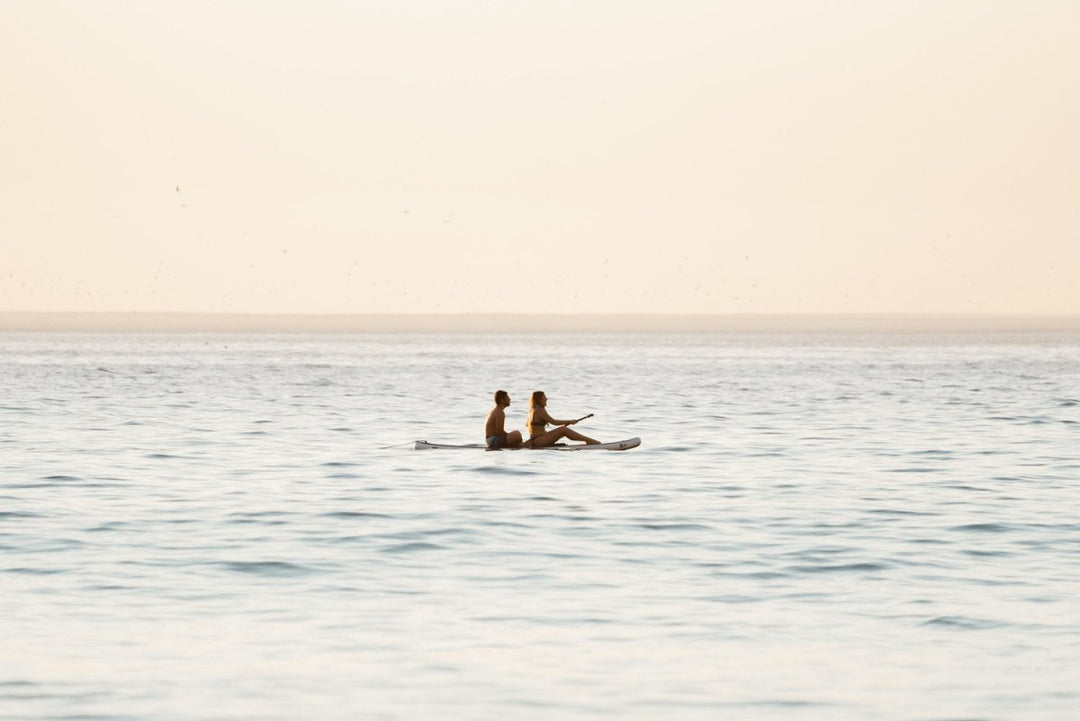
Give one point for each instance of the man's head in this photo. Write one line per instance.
(502, 398)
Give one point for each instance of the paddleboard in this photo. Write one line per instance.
(613, 446)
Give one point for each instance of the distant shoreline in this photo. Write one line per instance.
(534, 323)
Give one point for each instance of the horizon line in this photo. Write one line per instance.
(859, 322)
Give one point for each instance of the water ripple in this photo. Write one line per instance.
(273, 569)
(963, 623)
(503, 471)
(36, 571)
(6, 515)
(412, 547)
(354, 514)
(840, 568)
(984, 528)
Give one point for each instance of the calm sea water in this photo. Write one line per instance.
(236, 527)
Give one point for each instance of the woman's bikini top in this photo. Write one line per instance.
(532, 424)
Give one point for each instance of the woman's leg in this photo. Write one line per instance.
(575, 436)
(549, 438)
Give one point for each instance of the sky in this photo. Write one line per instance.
(594, 156)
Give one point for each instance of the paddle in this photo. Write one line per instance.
(579, 420)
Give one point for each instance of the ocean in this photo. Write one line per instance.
(834, 526)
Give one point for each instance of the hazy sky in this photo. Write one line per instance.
(617, 156)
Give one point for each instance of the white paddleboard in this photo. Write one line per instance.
(613, 446)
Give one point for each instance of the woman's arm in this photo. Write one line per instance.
(555, 421)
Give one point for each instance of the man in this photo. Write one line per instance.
(495, 433)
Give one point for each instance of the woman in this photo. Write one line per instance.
(539, 419)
